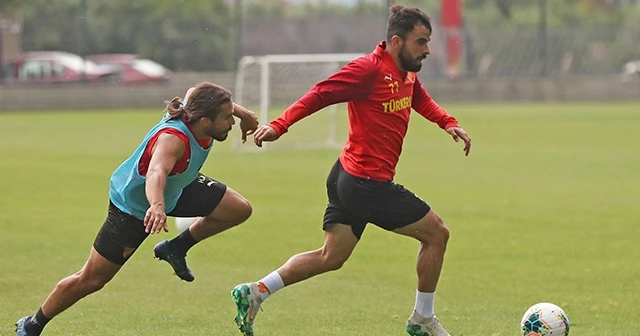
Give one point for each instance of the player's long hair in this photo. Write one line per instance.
(403, 20)
(204, 102)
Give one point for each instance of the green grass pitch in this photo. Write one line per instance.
(544, 209)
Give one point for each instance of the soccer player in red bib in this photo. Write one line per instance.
(381, 88)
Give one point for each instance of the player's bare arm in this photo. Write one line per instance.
(165, 153)
(458, 133)
(248, 120)
(265, 133)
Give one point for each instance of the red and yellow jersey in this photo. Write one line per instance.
(380, 97)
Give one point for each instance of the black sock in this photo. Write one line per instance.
(36, 323)
(182, 243)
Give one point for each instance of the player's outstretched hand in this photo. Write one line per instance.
(264, 133)
(155, 220)
(248, 120)
(458, 133)
(248, 125)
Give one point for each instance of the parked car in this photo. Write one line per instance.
(132, 69)
(54, 67)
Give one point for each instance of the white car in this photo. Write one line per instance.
(631, 71)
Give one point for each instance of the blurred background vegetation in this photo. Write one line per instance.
(204, 35)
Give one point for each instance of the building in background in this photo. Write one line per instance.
(348, 3)
(10, 29)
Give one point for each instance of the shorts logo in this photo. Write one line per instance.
(205, 180)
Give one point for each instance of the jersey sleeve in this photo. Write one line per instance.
(352, 82)
(428, 108)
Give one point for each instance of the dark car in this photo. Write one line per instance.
(132, 69)
(43, 67)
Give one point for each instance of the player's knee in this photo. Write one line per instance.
(234, 212)
(95, 282)
(334, 262)
(88, 283)
(243, 211)
(443, 234)
(94, 285)
(438, 231)
(437, 234)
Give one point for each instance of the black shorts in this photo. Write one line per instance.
(121, 234)
(357, 201)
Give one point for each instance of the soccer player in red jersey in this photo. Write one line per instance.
(381, 88)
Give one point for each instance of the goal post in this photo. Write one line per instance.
(268, 84)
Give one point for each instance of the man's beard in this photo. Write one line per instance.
(222, 136)
(407, 62)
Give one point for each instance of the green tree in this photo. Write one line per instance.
(191, 35)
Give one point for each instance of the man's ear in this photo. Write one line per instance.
(396, 41)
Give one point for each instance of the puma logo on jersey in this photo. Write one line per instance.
(388, 77)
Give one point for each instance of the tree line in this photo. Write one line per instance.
(203, 35)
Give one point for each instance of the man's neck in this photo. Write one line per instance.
(396, 59)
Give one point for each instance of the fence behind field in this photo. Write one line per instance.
(577, 88)
(566, 52)
(500, 52)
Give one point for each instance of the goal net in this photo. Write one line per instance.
(269, 84)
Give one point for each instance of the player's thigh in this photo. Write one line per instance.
(339, 241)
(199, 198)
(395, 207)
(358, 196)
(120, 236)
(233, 207)
(429, 228)
(340, 186)
(99, 268)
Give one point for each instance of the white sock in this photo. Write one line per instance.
(273, 282)
(424, 303)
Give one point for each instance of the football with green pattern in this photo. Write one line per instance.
(545, 319)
